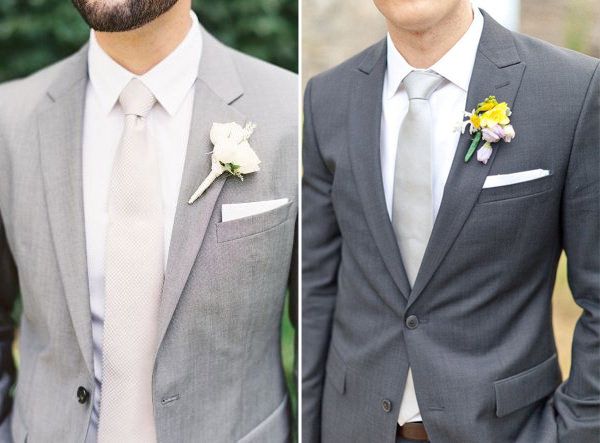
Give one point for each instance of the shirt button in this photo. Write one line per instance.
(412, 322)
(386, 405)
(82, 395)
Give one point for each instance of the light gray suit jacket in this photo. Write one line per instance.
(218, 375)
(481, 350)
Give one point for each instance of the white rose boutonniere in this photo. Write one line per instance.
(231, 153)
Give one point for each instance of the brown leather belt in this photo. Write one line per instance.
(412, 431)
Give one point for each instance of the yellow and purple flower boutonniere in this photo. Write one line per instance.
(489, 121)
(232, 154)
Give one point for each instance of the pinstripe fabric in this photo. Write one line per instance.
(134, 277)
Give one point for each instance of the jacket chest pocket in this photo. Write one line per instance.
(252, 225)
(521, 190)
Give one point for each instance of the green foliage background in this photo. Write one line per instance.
(35, 33)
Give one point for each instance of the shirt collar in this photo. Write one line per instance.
(455, 66)
(170, 80)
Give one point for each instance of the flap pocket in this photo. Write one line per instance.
(527, 387)
(274, 429)
(335, 370)
(253, 224)
(515, 190)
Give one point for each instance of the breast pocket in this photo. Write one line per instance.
(252, 225)
(520, 190)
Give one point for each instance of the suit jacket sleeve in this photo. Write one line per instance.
(8, 294)
(321, 248)
(577, 400)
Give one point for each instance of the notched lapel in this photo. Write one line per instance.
(60, 127)
(217, 86)
(364, 147)
(497, 71)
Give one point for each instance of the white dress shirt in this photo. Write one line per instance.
(447, 106)
(172, 82)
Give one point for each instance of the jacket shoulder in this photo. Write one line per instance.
(21, 96)
(343, 70)
(561, 63)
(266, 84)
(334, 86)
(261, 72)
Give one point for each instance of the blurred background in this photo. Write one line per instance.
(36, 33)
(334, 30)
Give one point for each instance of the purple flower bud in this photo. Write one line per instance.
(509, 133)
(484, 153)
(493, 134)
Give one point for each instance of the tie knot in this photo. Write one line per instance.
(136, 98)
(421, 84)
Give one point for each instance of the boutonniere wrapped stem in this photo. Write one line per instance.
(231, 154)
(489, 121)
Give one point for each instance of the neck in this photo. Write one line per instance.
(139, 50)
(421, 49)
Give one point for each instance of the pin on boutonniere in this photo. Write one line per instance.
(489, 121)
(232, 154)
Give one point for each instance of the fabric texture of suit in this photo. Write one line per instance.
(217, 374)
(476, 327)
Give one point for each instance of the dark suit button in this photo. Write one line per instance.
(82, 395)
(386, 405)
(412, 322)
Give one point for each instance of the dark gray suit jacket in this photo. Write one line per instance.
(482, 353)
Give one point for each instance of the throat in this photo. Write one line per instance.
(422, 49)
(141, 49)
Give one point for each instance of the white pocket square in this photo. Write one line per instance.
(233, 211)
(493, 181)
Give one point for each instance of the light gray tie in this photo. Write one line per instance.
(412, 207)
(134, 278)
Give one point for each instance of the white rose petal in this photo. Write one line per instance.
(247, 159)
(237, 133)
(220, 132)
(226, 151)
(230, 146)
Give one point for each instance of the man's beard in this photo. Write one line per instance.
(119, 16)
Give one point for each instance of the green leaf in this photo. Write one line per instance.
(473, 146)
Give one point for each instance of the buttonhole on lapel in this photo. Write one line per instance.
(502, 85)
(436, 408)
(166, 400)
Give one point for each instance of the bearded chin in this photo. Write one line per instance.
(121, 15)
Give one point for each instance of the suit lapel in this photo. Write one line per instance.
(217, 86)
(497, 71)
(60, 126)
(364, 147)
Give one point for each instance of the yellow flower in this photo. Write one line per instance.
(475, 121)
(498, 115)
(487, 104)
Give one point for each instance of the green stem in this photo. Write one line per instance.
(473, 146)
